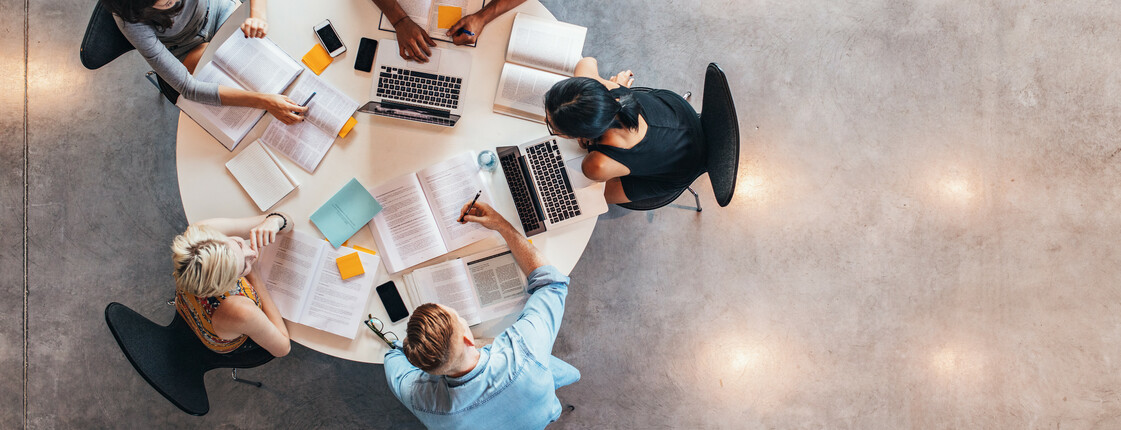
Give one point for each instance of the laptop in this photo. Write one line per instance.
(429, 92)
(550, 191)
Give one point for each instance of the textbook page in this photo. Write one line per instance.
(448, 284)
(521, 91)
(545, 44)
(448, 186)
(228, 124)
(335, 304)
(257, 63)
(302, 142)
(330, 108)
(261, 175)
(405, 230)
(287, 267)
(499, 283)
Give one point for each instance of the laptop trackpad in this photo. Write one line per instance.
(432, 66)
(576, 174)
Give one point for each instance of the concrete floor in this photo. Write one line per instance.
(924, 234)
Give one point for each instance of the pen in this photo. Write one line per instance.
(312, 96)
(465, 31)
(471, 206)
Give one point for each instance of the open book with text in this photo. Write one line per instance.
(419, 221)
(306, 142)
(541, 53)
(480, 287)
(261, 175)
(300, 273)
(434, 16)
(253, 64)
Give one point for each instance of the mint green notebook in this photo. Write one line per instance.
(346, 212)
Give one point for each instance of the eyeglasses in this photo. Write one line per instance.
(550, 127)
(377, 326)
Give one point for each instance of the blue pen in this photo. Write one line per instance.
(462, 31)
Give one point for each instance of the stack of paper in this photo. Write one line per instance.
(262, 176)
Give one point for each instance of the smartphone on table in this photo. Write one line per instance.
(391, 299)
(329, 38)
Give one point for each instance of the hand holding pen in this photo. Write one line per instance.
(305, 103)
(470, 206)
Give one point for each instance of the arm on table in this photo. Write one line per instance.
(475, 22)
(261, 230)
(413, 42)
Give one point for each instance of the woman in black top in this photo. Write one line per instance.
(643, 142)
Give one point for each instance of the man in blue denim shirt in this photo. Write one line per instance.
(448, 383)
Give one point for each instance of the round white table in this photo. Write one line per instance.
(376, 150)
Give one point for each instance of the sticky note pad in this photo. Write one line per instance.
(448, 16)
(350, 265)
(366, 250)
(317, 59)
(345, 212)
(350, 122)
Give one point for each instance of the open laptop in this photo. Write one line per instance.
(549, 189)
(429, 92)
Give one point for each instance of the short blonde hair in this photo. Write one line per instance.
(205, 266)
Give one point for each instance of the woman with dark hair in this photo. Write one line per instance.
(643, 142)
(172, 35)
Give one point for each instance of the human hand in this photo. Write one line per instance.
(624, 78)
(254, 27)
(413, 42)
(283, 108)
(471, 23)
(485, 215)
(265, 233)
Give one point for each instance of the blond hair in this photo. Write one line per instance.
(205, 266)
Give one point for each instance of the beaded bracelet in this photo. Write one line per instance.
(282, 218)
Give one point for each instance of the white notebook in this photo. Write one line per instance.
(261, 175)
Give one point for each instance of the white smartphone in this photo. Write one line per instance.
(330, 40)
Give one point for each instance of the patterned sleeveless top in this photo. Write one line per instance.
(197, 311)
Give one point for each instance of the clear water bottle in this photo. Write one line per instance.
(488, 160)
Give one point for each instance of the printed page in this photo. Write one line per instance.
(261, 175)
(448, 186)
(499, 283)
(448, 284)
(287, 267)
(545, 44)
(302, 142)
(405, 231)
(335, 305)
(521, 91)
(330, 108)
(228, 124)
(257, 63)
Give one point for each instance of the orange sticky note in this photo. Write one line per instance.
(317, 59)
(350, 266)
(448, 16)
(366, 250)
(350, 123)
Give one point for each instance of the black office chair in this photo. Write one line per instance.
(172, 359)
(722, 142)
(104, 42)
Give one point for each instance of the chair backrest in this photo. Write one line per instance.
(172, 359)
(722, 134)
(103, 41)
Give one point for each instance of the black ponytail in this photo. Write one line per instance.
(584, 108)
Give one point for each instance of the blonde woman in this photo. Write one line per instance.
(216, 291)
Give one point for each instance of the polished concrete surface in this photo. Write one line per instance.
(924, 233)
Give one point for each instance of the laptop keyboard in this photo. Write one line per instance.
(523, 201)
(419, 87)
(552, 181)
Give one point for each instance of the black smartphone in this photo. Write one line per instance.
(366, 50)
(391, 299)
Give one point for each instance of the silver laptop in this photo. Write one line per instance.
(550, 191)
(429, 92)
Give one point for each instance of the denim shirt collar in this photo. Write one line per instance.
(484, 357)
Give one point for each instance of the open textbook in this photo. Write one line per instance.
(434, 16)
(300, 273)
(419, 221)
(254, 64)
(541, 53)
(261, 175)
(306, 142)
(480, 287)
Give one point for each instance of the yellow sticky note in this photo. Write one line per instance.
(448, 16)
(366, 250)
(317, 59)
(350, 123)
(350, 266)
